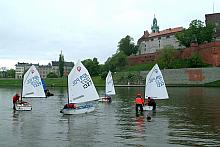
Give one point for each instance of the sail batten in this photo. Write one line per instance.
(80, 85)
(155, 85)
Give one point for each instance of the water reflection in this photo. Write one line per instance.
(189, 118)
(195, 121)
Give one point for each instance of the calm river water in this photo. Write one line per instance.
(191, 117)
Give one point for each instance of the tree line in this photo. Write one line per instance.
(197, 32)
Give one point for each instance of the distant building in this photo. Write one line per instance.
(67, 67)
(151, 43)
(157, 40)
(214, 18)
(43, 70)
(20, 68)
(3, 72)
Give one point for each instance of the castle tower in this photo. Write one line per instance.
(155, 27)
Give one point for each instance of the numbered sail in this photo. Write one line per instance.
(80, 85)
(109, 85)
(155, 85)
(32, 84)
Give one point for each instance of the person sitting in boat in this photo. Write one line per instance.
(139, 101)
(151, 102)
(48, 93)
(70, 106)
(108, 98)
(15, 99)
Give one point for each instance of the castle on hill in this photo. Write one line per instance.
(150, 44)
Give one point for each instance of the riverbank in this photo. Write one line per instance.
(62, 82)
(50, 82)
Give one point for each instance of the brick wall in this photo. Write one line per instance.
(210, 53)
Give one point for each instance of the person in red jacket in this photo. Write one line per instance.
(139, 101)
(15, 99)
(70, 106)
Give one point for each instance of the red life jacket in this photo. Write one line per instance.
(73, 106)
(15, 99)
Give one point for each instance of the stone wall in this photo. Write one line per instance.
(189, 75)
(183, 76)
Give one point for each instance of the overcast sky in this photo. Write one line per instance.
(35, 31)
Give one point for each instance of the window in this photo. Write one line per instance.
(167, 36)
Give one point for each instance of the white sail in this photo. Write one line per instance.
(155, 85)
(109, 85)
(32, 84)
(80, 85)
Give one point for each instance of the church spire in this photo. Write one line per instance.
(154, 27)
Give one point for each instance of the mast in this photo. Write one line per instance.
(22, 86)
(68, 90)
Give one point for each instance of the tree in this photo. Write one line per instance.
(127, 46)
(117, 62)
(167, 57)
(11, 73)
(92, 66)
(61, 64)
(196, 33)
(195, 61)
(52, 75)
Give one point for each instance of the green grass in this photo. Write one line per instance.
(50, 82)
(213, 84)
(62, 82)
(139, 67)
(10, 82)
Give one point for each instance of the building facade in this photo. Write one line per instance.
(157, 40)
(214, 18)
(44, 70)
(21, 68)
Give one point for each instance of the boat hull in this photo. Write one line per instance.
(23, 106)
(79, 110)
(105, 99)
(147, 108)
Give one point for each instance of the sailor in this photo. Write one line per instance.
(15, 99)
(139, 101)
(70, 106)
(151, 102)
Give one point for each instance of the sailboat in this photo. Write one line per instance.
(109, 89)
(32, 87)
(82, 93)
(155, 86)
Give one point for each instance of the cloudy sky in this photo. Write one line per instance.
(35, 31)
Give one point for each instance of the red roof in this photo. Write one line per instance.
(147, 36)
(165, 32)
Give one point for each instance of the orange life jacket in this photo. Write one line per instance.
(139, 100)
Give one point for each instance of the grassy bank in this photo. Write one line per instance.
(62, 82)
(55, 82)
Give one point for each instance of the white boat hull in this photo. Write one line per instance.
(105, 99)
(23, 106)
(79, 110)
(147, 108)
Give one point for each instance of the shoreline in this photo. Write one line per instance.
(63, 83)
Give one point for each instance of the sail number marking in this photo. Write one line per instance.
(34, 81)
(84, 80)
